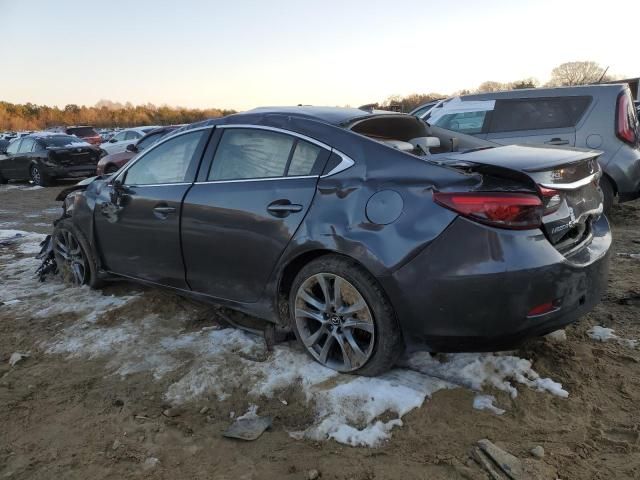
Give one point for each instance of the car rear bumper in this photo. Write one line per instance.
(71, 171)
(473, 287)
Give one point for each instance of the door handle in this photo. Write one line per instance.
(164, 210)
(557, 141)
(282, 208)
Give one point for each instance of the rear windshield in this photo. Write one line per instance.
(60, 141)
(82, 131)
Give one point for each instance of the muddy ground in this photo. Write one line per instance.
(69, 417)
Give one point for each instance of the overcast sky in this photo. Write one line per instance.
(245, 53)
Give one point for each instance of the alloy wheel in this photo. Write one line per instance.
(36, 176)
(334, 322)
(67, 247)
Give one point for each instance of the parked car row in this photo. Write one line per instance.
(599, 117)
(63, 152)
(366, 233)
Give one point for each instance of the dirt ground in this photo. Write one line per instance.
(68, 417)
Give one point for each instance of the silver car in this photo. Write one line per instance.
(599, 117)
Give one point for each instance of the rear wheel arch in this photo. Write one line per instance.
(295, 265)
(609, 190)
(386, 341)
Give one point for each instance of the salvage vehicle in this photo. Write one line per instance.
(111, 163)
(43, 157)
(83, 132)
(599, 117)
(118, 143)
(366, 234)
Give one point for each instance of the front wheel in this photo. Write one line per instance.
(74, 257)
(343, 318)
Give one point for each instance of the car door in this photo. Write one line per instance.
(137, 218)
(112, 145)
(546, 121)
(7, 162)
(22, 160)
(244, 209)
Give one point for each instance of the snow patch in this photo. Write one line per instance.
(478, 370)
(358, 411)
(486, 402)
(603, 334)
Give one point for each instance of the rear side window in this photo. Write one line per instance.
(464, 122)
(305, 159)
(538, 113)
(167, 163)
(247, 153)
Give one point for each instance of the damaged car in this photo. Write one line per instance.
(365, 233)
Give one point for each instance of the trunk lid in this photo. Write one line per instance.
(74, 155)
(568, 181)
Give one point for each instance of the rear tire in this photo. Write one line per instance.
(74, 257)
(38, 177)
(608, 193)
(342, 317)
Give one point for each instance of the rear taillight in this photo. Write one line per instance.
(517, 211)
(551, 199)
(626, 127)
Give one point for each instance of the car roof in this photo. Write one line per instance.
(545, 92)
(337, 116)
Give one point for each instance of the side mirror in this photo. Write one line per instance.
(132, 148)
(113, 140)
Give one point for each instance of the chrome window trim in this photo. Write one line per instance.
(265, 179)
(152, 148)
(345, 162)
(159, 185)
(276, 130)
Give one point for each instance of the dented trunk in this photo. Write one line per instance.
(566, 180)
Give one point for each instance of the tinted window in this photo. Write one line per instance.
(13, 146)
(168, 163)
(62, 141)
(246, 153)
(82, 131)
(538, 113)
(304, 158)
(26, 146)
(132, 136)
(149, 140)
(464, 122)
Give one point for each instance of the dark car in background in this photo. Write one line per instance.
(601, 117)
(111, 163)
(85, 132)
(42, 158)
(364, 233)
